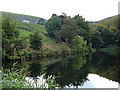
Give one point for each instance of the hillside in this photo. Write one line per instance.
(49, 45)
(110, 21)
(31, 27)
(25, 18)
(107, 21)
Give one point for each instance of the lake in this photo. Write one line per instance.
(93, 70)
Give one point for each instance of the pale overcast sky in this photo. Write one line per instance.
(91, 10)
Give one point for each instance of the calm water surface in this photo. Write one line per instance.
(97, 70)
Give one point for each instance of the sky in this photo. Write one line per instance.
(91, 10)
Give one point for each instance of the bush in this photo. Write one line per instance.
(79, 45)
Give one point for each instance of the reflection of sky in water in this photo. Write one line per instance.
(95, 81)
(99, 82)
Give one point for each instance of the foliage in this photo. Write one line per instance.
(83, 27)
(68, 31)
(53, 25)
(65, 28)
(113, 29)
(79, 61)
(87, 35)
(69, 71)
(24, 33)
(35, 40)
(110, 21)
(12, 78)
(108, 34)
(103, 35)
(118, 38)
(79, 45)
(81, 23)
(12, 44)
(51, 48)
(112, 50)
(101, 28)
(97, 41)
(108, 37)
(108, 30)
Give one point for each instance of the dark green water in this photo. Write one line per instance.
(75, 69)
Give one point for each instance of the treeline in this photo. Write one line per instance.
(103, 35)
(106, 35)
(15, 47)
(62, 28)
(73, 31)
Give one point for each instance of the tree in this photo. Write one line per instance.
(79, 45)
(113, 29)
(97, 41)
(68, 31)
(35, 40)
(101, 28)
(83, 27)
(10, 38)
(108, 37)
(108, 34)
(81, 23)
(53, 25)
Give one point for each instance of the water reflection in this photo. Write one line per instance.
(95, 81)
(105, 66)
(74, 70)
(69, 71)
(35, 69)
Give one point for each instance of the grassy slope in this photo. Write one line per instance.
(31, 27)
(21, 16)
(49, 45)
(110, 21)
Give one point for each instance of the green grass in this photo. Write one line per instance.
(110, 21)
(49, 45)
(31, 27)
(24, 33)
(21, 16)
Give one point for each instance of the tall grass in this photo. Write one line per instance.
(12, 78)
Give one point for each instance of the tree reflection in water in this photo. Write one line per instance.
(74, 70)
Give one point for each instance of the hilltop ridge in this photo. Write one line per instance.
(25, 18)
